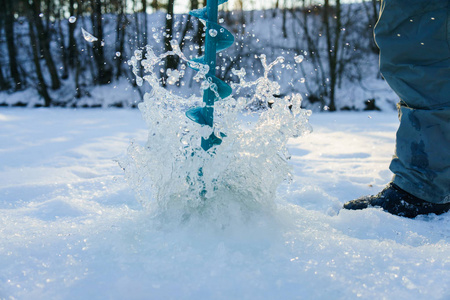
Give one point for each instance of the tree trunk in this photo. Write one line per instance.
(283, 27)
(186, 27)
(275, 9)
(144, 10)
(3, 83)
(72, 47)
(104, 74)
(45, 44)
(9, 32)
(41, 86)
(333, 38)
(64, 58)
(171, 61)
(198, 39)
(120, 38)
(137, 26)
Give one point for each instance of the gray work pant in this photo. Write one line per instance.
(414, 41)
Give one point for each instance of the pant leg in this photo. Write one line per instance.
(414, 41)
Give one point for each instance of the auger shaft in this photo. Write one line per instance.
(210, 59)
(217, 39)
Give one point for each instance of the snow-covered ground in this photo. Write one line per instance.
(70, 227)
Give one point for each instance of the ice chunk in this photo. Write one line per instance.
(88, 37)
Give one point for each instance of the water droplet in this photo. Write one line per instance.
(41, 15)
(173, 76)
(168, 17)
(118, 54)
(72, 19)
(302, 80)
(299, 58)
(102, 43)
(213, 32)
(88, 37)
(138, 54)
(221, 20)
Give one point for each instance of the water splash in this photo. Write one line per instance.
(88, 36)
(175, 178)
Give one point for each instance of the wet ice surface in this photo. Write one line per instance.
(70, 227)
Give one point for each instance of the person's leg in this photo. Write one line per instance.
(414, 41)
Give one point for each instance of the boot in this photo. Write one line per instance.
(398, 202)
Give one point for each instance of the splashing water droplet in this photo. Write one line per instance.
(72, 19)
(174, 76)
(88, 37)
(168, 17)
(41, 15)
(302, 80)
(213, 32)
(118, 54)
(138, 54)
(299, 58)
(221, 20)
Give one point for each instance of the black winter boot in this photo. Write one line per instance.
(398, 202)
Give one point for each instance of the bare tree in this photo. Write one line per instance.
(62, 46)
(3, 83)
(72, 47)
(44, 42)
(311, 25)
(372, 9)
(121, 24)
(104, 74)
(11, 44)
(171, 61)
(41, 86)
(283, 27)
(333, 39)
(144, 10)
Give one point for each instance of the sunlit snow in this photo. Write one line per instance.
(71, 228)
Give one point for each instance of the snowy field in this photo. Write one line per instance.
(70, 227)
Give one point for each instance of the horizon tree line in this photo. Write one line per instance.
(42, 49)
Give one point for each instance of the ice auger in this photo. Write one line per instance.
(217, 39)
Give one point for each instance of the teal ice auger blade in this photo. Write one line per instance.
(217, 39)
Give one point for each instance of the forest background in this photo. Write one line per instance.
(46, 60)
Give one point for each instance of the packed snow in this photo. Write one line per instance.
(71, 228)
